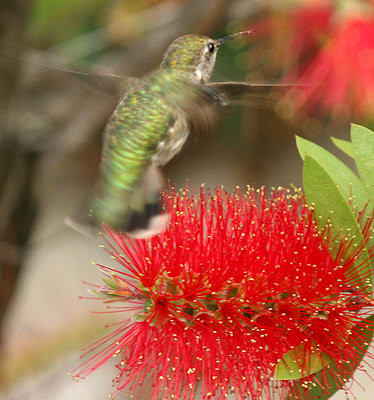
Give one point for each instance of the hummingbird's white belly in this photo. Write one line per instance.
(173, 141)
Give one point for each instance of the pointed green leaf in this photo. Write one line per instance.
(363, 145)
(344, 145)
(316, 392)
(330, 203)
(339, 173)
(300, 362)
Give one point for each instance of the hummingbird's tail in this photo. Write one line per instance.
(146, 216)
(147, 223)
(138, 212)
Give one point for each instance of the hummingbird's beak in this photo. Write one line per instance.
(233, 36)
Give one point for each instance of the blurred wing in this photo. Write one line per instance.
(203, 109)
(95, 77)
(262, 95)
(213, 98)
(246, 93)
(109, 84)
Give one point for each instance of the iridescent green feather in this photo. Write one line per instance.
(184, 53)
(140, 122)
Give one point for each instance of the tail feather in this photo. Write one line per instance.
(147, 225)
(138, 213)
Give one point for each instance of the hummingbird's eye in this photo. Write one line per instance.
(211, 47)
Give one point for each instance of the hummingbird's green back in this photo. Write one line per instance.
(139, 124)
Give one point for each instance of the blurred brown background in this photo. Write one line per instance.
(51, 121)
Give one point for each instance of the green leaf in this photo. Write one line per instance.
(316, 392)
(326, 187)
(344, 145)
(339, 173)
(331, 205)
(363, 145)
(300, 362)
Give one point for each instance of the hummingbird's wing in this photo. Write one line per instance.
(264, 95)
(95, 77)
(205, 109)
(247, 93)
(214, 97)
(201, 108)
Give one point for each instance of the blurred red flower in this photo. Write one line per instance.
(339, 79)
(234, 283)
(307, 29)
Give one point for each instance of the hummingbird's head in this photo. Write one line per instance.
(195, 54)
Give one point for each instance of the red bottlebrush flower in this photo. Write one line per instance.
(289, 38)
(308, 27)
(339, 80)
(234, 284)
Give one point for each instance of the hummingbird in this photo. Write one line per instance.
(149, 126)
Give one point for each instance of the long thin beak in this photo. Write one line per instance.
(233, 36)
